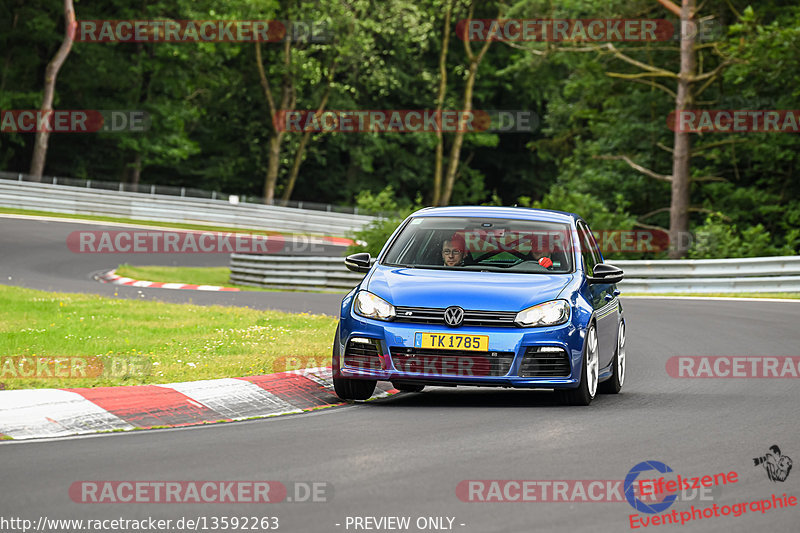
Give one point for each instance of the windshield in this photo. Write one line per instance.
(484, 244)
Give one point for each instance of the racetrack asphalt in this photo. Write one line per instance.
(34, 254)
(405, 455)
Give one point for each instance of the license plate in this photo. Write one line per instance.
(452, 341)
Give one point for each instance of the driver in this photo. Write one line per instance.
(541, 255)
(454, 250)
(541, 258)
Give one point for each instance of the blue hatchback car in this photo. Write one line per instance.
(483, 296)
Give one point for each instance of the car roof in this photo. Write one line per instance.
(521, 213)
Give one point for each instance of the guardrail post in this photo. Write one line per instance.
(213, 195)
(183, 191)
(152, 189)
(55, 180)
(88, 184)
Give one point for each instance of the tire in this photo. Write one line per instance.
(408, 387)
(346, 388)
(614, 384)
(587, 387)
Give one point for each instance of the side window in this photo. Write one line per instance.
(588, 254)
(598, 257)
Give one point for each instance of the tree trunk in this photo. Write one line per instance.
(455, 151)
(40, 146)
(679, 207)
(301, 149)
(136, 171)
(295, 170)
(288, 99)
(437, 169)
(273, 155)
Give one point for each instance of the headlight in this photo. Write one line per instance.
(371, 306)
(547, 314)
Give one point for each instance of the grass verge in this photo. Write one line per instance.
(80, 340)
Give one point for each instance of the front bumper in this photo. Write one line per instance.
(549, 357)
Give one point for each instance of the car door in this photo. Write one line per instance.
(602, 295)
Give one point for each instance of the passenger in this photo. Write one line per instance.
(454, 250)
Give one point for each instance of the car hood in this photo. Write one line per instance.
(485, 291)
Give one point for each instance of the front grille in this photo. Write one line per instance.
(365, 356)
(544, 362)
(451, 362)
(432, 315)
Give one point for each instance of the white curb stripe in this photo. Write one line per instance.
(234, 398)
(320, 375)
(207, 288)
(114, 279)
(30, 414)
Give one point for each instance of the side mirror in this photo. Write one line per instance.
(360, 262)
(605, 273)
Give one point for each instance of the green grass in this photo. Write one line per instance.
(780, 295)
(140, 342)
(154, 223)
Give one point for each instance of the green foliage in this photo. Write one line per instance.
(210, 123)
(718, 238)
(390, 214)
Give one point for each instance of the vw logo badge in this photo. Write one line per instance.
(453, 316)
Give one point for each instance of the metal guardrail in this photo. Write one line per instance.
(164, 208)
(171, 190)
(748, 274)
(292, 272)
(759, 274)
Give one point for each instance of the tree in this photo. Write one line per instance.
(50, 74)
(690, 84)
(472, 72)
(442, 91)
(679, 206)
